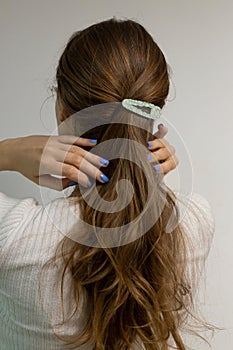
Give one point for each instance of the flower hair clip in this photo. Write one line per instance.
(133, 106)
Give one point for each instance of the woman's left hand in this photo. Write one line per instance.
(38, 156)
(162, 152)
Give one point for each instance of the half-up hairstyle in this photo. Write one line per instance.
(140, 291)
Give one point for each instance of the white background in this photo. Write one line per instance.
(196, 37)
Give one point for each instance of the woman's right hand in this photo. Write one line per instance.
(162, 152)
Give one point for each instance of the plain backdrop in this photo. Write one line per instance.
(196, 38)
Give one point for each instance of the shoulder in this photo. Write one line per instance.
(18, 216)
(21, 207)
(196, 207)
(18, 206)
(12, 210)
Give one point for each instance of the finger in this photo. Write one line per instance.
(162, 131)
(80, 152)
(170, 164)
(161, 154)
(75, 174)
(51, 182)
(67, 170)
(79, 141)
(55, 183)
(157, 143)
(86, 167)
(72, 172)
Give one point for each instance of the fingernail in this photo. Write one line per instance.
(160, 125)
(104, 161)
(157, 168)
(149, 144)
(89, 184)
(72, 183)
(104, 178)
(149, 157)
(92, 140)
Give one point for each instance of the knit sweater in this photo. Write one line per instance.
(29, 235)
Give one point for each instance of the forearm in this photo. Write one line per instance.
(7, 154)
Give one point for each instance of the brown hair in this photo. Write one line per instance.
(140, 290)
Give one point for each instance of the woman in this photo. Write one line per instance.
(60, 292)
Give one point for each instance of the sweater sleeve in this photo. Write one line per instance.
(12, 211)
(198, 223)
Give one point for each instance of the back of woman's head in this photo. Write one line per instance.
(135, 291)
(108, 62)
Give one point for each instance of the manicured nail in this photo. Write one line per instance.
(157, 168)
(92, 141)
(149, 156)
(89, 184)
(160, 125)
(72, 183)
(104, 178)
(104, 161)
(149, 144)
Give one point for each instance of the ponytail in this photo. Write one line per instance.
(134, 281)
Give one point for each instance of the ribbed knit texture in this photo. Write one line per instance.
(29, 235)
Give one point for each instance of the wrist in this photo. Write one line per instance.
(8, 149)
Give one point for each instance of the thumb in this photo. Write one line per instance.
(162, 131)
(55, 183)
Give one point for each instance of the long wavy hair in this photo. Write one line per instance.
(139, 291)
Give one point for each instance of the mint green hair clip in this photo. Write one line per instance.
(133, 106)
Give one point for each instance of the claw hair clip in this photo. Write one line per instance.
(134, 106)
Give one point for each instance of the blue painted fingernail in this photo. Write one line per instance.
(92, 141)
(104, 178)
(72, 183)
(157, 167)
(89, 184)
(149, 156)
(104, 161)
(149, 144)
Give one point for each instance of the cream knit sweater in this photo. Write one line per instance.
(29, 234)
